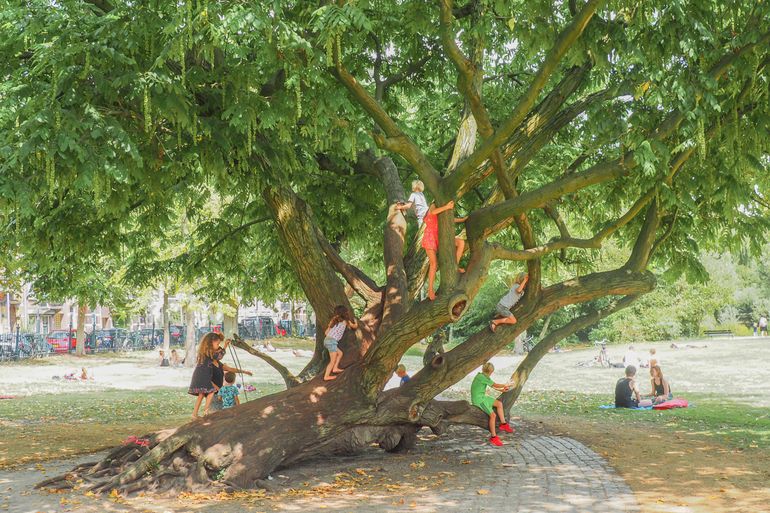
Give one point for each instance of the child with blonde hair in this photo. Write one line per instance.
(488, 404)
(416, 200)
(401, 373)
(503, 313)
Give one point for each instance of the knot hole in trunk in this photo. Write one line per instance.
(457, 306)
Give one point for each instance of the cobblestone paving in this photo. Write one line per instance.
(530, 474)
(542, 474)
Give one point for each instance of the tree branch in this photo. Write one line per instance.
(461, 360)
(524, 369)
(545, 114)
(394, 140)
(362, 284)
(595, 242)
(290, 379)
(568, 36)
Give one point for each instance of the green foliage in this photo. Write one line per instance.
(119, 128)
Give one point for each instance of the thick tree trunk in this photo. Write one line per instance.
(239, 446)
(435, 346)
(80, 344)
(230, 320)
(190, 336)
(166, 323)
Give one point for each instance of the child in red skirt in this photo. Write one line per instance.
(430, 242)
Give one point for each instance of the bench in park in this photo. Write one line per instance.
(718, 333)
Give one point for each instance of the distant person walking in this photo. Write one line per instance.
(763, 326)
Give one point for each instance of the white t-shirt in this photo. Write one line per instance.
(420, 205)
(512, 297)
(762, 322)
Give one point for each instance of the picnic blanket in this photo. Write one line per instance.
(676, 402)
(612, 407)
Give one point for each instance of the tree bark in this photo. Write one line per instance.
(166, 323)
(80, 337)
(230, 320)
(190, 337)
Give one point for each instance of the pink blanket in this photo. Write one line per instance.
(673, 403)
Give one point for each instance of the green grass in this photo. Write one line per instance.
(54, 426)
(108, 407)
(711, 417)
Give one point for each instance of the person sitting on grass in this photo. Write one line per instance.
(503, 313)
(229, 393)
(175, 360)
(488, 404)
(626, 392)
(163, 361)
(661, 390)
(401, 373)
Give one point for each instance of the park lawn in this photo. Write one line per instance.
(55, 426)
(735, 425)
(713, 457)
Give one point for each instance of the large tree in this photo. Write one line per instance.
(553, 125)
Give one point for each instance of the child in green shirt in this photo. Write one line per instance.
(488, 404)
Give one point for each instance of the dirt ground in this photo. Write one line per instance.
(676, 472)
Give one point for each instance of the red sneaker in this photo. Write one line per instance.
(506, 427)
(495, 440)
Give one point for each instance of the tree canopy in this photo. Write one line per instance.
(282, 134)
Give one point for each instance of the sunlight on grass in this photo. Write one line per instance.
(738, 425)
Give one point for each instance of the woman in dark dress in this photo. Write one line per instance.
(201, 384)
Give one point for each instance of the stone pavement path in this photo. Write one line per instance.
(458, 473)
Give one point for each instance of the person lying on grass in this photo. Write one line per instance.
(626, 391)
(503, 313)
(489, 405)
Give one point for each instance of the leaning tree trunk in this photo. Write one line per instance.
(190, 336)
(166, 323)
(80, 337)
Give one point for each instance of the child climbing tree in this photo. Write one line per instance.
(556, 126)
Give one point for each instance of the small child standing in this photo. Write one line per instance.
(341, 319)
(229, 393)
(488, 404)
(401, 373)
(416, 200)
(430, 243)
(503, 313)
